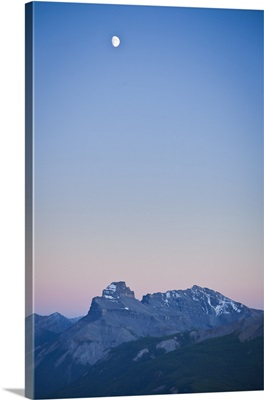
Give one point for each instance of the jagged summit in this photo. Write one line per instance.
(197, 287)
(201, 300)
(116, 296)
(116, 290)
(195, 301)
(181, 309)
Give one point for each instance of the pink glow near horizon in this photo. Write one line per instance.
(79, 296)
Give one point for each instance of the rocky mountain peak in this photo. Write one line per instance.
(196, 287)
(116, 290)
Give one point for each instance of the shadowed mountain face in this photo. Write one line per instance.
(117, 317)
(174, 364)
(47, 328)
(55, 322)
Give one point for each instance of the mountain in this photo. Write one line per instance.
(117, 317)
(55, 322)
(173, 365)
(48, 327)
(45, 329)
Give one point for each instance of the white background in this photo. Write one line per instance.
(12, 191)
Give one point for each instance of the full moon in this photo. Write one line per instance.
(115, 41)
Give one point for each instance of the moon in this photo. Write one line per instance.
(115, 41)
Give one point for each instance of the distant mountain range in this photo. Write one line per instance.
(124, 346)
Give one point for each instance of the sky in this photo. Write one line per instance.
(148, 157)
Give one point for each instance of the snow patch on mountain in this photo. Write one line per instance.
(106, 296)
(141, 354)
(223, 306)
(235, 308)
(168, 345)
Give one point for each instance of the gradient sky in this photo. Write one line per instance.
(148, 156)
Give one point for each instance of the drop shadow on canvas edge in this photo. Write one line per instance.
(18, 392)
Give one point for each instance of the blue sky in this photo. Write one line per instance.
(148, 156)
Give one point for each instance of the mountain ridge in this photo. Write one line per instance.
(117, 317)
(107, 293)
